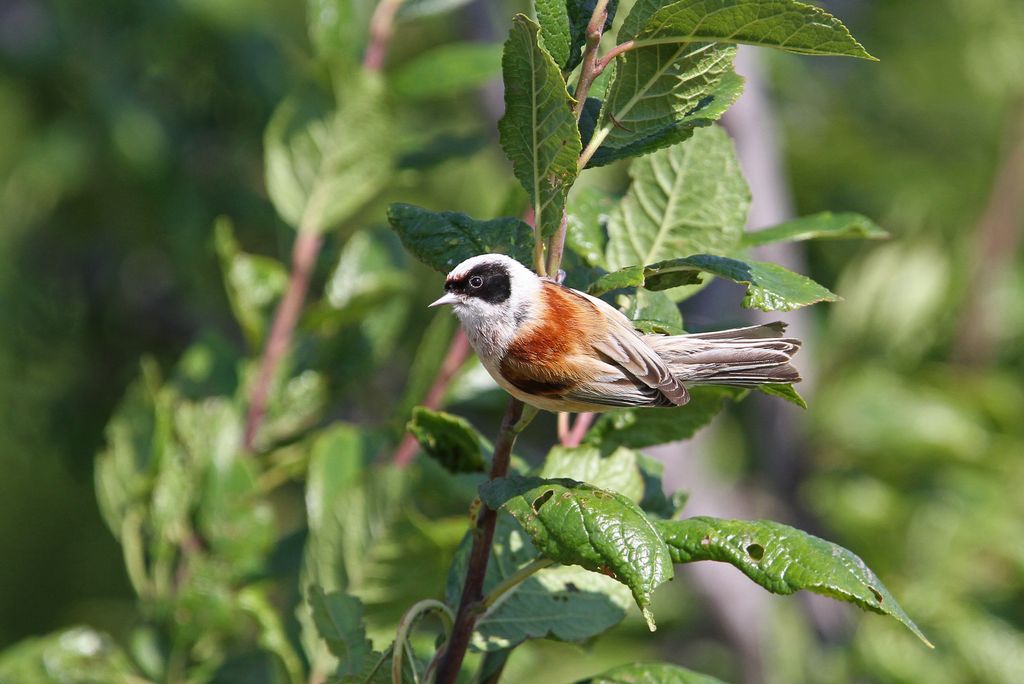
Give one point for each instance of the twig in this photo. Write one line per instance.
(610, 56)
(458, 352)
(304, 254)
(512, 581)
(589, 66)
(563, 427)
(382, 27)
(579, 430)
(556, 247)
(483, 536)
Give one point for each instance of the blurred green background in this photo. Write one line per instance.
(129, 127)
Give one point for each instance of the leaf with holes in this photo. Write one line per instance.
(443, 239)
(449, 440)
(686, 199)
(770, 287)
(783, 560)
(638, 428)
(560, 602)
(783, 24)
(576, 524)
(659, 95)
(823, 226)
(650, 673)
(538, 131)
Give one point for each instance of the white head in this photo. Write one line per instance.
(492, 295)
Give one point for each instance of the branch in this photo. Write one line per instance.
(458, 352)
(579, 430)
(382, 27)
(304, 254)
(610, 56)
(483, 536)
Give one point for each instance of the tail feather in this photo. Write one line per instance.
(743, 357)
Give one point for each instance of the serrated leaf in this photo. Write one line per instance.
(339, 620)
(822, 226)
(650, 673)
(586, 215)
(538, 131)
(448, 439)
(659, 95)
(638, 428)
(553, 17)
(770, 287)
(443, 239)
(685, 199)
(576, 524)
(253, 283)
(324, 161)
(652, 310)
(561, 602)
(787, 392)
(447, 70)
(784, 24)
(618, 471)
(783, 560)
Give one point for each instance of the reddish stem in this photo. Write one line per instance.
(610, 56)
(458, 352)
(579, 430)
(304, 254)
(382, 27)
(476, 569)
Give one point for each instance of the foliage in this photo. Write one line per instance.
(311, 557)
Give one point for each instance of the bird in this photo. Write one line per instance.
(559, 349)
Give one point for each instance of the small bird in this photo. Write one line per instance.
(560, 349)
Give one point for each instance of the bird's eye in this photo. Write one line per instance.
(476, 281)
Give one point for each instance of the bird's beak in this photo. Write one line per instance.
(448, 298)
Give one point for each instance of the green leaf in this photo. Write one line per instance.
(272, 635)
(79, 655)
(366, 274)
(430, 356)
(538, 132)
(339, 620)
(414, 9)
(617, 472)
(253, 283)
(823, 226)
(685, 199)
(787, 392)
(337, 29)
(659, 95)
(576, 524)
(652, 312)
(448, 439)
(324, 163)
(784, 24)
(447, 70)
(560, 602)
(553, 17)
(770, 287)
(587, 213)
(638, 428)
(443, 239)
(783, 560)
(655, 502)
(650, 673)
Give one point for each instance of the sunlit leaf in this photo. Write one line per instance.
(619, 471)
(650, 673)
(685, 199)
(339, 619)
(447, 70)
(79, 655)
(576, 524)
(822, 226)
(784, 24)
(783, 560)
(448, 439)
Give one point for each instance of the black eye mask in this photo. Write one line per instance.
(495, 284)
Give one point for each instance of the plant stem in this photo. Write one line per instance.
(304, 254)
(610, 56)
(579, 430)
(516, 418)
(514, 580)
(382, 27)
(457, 354)
(405, 625)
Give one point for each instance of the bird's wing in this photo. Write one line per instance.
(624, 346)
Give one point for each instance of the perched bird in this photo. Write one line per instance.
(563, 350)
